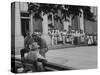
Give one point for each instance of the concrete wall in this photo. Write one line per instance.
(90, 27)
(75, 23)
(37, 25)
(58, 25)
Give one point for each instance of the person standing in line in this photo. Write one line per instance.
(55, 37)
(92, 41)
(52, 37)
(63, 36)
(95, 39)
(89, 40)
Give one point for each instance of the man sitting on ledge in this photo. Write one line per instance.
(33, 56)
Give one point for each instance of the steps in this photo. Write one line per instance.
(48, 66)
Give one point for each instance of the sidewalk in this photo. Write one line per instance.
(79, 58)
(61, 46)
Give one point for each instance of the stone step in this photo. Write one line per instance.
(48, 66)
(50, 69)
(58, 66)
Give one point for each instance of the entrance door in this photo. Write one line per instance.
(25, 26)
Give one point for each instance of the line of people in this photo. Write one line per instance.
(74, 37)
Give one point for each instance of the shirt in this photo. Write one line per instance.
(26, 41)
(34, 55)
(41, 42)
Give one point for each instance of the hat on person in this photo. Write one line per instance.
(34, 34)
(34, 46)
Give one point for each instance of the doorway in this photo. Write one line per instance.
(25, 26)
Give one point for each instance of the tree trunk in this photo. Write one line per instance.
(82, 21)
(45, 35)
(70, 20)
(52, 19)
(66, 24)
(31, 24)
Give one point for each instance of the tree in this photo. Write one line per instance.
(81, 11)
(76, 11)
(41, 9)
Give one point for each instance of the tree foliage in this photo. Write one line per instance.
(66, 10)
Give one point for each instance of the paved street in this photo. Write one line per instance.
(79, 57)
(76, 57)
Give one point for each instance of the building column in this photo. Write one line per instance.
(79, 23)
(70, 20)
(19, 39)
(82, 21)
(45, 35)
(66, 24)
(31, 24)
(52, 19)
